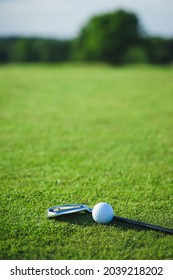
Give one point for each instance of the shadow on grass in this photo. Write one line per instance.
(85, 220)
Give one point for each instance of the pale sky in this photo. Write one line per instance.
(64, 18)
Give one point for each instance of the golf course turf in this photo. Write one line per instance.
(85, 134)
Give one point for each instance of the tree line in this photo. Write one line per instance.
(18, 49)
(114, 38)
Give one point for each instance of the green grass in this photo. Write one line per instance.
(85, 134)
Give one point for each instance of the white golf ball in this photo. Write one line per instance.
(103, 213)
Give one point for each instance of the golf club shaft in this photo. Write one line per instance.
(145, 225)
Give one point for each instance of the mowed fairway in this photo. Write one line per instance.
(85, 134)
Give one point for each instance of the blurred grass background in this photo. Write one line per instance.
(85, 134)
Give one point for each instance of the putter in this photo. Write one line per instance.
(56, 211)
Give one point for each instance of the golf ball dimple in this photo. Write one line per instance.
(103, 213)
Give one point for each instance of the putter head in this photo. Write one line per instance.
(59, 210)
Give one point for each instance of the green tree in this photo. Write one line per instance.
(20, 51)
(34, 50)
(160, 50)
(136, 55)
(108, 37)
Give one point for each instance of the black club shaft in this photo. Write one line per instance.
(145, 225)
